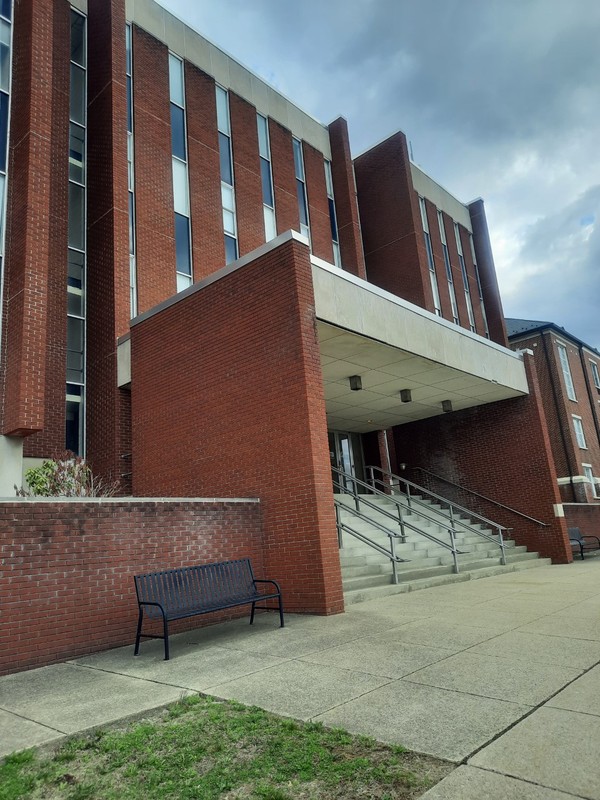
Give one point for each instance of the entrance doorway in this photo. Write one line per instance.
(346, 454)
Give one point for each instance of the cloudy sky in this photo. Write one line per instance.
(499, 99)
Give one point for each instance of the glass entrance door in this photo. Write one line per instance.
(345, 452)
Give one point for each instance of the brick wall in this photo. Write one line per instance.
(346, 204)
(284, 178)
(585, 516)
(246, 166)
(318, 205)
(501, 450)
(487, 273)
(391, 223)
(227, 398)
(67, 577)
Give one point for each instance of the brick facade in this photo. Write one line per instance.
(227, 399)
(68, 567)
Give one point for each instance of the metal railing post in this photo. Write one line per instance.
(338, 523)
(395, 575)
(454, 551)
(502, 550)
(401, 521)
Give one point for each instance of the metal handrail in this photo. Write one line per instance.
(482, 496)
(354, 482)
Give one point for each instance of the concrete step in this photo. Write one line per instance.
(364, 594)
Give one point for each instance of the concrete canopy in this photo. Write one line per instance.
(393, 345)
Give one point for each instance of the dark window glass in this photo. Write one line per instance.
(3, 129)
(75, 269)
(231, 251)
(77, 94)
(298, 165)
(76, 153)
(76, 216)
(267, 189)
(5, 8)
(72, 438)
(182, 244)
(332, 219)
(178, 132)
(78, 38)
(75, 349)
(225, 159)
(129, 107)
(4, 55)
(302, 203)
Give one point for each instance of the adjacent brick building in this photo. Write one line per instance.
(193, 269)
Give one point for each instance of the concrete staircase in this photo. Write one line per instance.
(367, 574)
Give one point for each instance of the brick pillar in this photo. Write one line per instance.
(246, 165)
(108, 308)
(318, 204)
(36, 223)
(228, 401)
(284, 178)
(346, 204)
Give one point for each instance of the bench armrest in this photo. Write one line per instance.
(150, 603)
(592, 537)
(275, 584)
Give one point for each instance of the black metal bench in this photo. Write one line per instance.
(188, 591)
(577, 539)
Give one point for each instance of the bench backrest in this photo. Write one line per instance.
(575, 534)
(208, 585)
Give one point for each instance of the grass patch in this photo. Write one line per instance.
(204, 749)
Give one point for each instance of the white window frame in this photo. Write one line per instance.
(563, 356)
(595, 373)
(579, 432)
(588, 471)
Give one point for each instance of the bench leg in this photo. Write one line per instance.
(252, 614)
(281, 612)
(138, 633)
(166, 635)
(581, 548)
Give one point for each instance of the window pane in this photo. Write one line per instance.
(270, 227)
(222, 111)
(3, 129)
(298, 159)
(263, 137)
(76, 216)
(178, 132)
(72, 438)
(227, 200)
(5, 8)
(225, 159)
(74, 302)
(228, 222)
(131, 225)
(182, 244)
(333, 221)
(328, 178)
(129, 106)
(4, 55)
(75, 269)
(75, 349)
(78, 38)
(230, 249)
(267, 188)
(180, 188)
(302, 203)
(183, 281)
(76, 153)
(77, 94)
(2, 182)
(176, 80)
(128, 49)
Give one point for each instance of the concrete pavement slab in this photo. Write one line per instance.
(298, 689)
(17, 733)
(552, 747)
(445, 724)
(194, 668)
(581, 695)
(381, 657)
(437, 633)
(537, 647)
(500, 678)
(491, 618)
(471, 783)
(568, 626)
(71, 698)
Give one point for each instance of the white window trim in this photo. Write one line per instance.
(595, 373)
(566, 371)
(591, 478)
(578, 428)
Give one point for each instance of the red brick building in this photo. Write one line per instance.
(197, 278)
(569, 374)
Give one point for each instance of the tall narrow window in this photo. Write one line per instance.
(566, 371)
(589, 474)
(465, 277)
(595, 374)
(335, 239)
(5, 86)
(179, 163)
(479, 289)
(448, 267)
(301, 189)
(266, 176)
(227, 177)
(430, 262)
(579, 434)
(77, 239)
(130, 173)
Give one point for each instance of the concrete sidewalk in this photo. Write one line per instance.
(500, 675)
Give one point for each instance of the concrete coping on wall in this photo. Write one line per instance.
(123, 500)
